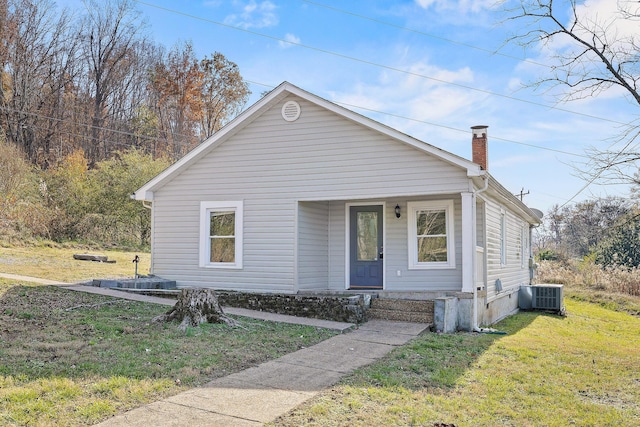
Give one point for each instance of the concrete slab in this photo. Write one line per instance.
(241, 401)
(394, 327)
(381, 337)
(339, 362)
(286, 376)
(345, 345)
(167, 414)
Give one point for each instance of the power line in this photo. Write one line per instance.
(185, 143)
(422, 33)
(465, 130)
(375, 64)
(89, 126)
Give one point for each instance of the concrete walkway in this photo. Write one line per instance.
(261, 394)
(29, 279)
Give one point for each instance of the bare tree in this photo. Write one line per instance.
(590, 53)
(111, 31)
(224, 93)
(38, 66)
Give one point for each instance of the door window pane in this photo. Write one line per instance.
(367, 233)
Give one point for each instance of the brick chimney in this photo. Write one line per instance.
(479, 148)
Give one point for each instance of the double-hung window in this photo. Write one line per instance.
(431, 238)
(221, 234)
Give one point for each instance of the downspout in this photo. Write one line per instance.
(474, 312)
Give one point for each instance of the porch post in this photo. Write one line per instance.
(468, 241)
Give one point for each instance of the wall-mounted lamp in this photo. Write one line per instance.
(397, 211)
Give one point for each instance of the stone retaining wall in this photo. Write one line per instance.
(351, 309)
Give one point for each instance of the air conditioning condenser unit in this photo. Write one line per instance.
(548, 297)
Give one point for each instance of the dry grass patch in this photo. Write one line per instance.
(548, 371)
(616, 288)
(56, 263)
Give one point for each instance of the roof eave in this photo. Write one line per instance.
(515, 202)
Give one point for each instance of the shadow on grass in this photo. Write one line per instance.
(433, 360)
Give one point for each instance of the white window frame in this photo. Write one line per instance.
(206, 208)
(412, 233)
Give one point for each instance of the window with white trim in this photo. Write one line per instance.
(431, 234)
(221, 234)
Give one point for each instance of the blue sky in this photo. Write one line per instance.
(425, 67)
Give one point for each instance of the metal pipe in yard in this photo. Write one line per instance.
(136, 260)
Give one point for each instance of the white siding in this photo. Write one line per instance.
(512, 274)
(273, 164)
(337, 246)
(313, 245)
(397, 257)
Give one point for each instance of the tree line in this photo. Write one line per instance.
(91, 108)
(606, 230)
(93, 80)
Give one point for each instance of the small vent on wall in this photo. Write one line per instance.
(291, 111)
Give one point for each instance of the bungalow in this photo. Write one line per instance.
(298, 194)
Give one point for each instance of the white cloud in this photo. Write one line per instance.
(427, 102)
(254, 15)
(290, 38)
(462, 6)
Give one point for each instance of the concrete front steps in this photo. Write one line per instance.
(405, 310)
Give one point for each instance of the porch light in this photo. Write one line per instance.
(397, 211)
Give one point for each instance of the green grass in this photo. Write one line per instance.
(70, 358)
(548, 371)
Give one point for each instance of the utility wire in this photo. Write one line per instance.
(422, 33)
(89, 126)
(186, 143)
(375, 64)
(464, 130)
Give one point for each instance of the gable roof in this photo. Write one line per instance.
(276, 95)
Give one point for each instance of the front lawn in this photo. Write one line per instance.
(579, 370)
(69, 358)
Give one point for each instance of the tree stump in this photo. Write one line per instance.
(196, 306)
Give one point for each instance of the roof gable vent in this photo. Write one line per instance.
(291, 111)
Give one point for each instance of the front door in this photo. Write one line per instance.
(366, 249)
